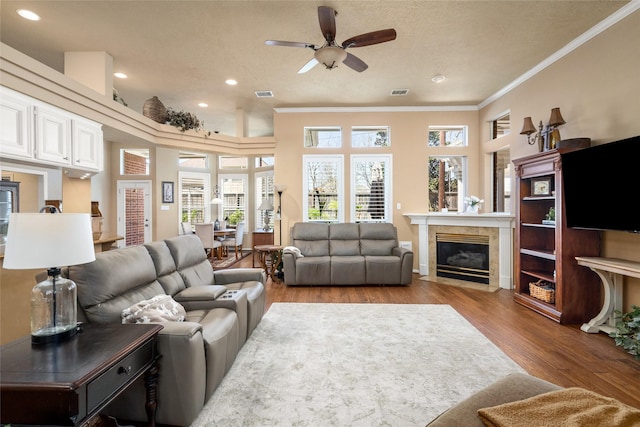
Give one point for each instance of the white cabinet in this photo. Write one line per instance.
(53, 135)
(34, 131)
(87, 144)
(16, 137)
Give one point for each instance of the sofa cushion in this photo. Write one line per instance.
(165, 265)
(125, 276)
(312, 239)
(344, 239)
(383, 270)
(191, 260)
(347, 270)
(378, 238)
(313, 270)
(157, 309)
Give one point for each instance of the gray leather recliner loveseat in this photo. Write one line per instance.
(346, 254)
(222, 309)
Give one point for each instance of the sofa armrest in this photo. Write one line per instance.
(199, 297)
(234, 275)
(406, 260)
(289, 268)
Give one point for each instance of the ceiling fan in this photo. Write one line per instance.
(330, 54)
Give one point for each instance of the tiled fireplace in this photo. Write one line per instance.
(496, 229)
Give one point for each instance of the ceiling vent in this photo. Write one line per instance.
(264, 94)
(399, 92)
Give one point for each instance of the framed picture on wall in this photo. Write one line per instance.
(167, 191)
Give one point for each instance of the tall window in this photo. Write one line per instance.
(195, 194)
(446, 183)
(233, 189)
(502, 171)
(323, 137)
(323, 187)
(447, 136)
(371, 188)
(370, 136)
(264, 190)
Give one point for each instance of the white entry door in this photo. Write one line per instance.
(134, 212)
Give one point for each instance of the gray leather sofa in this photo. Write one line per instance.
(346, 254)
(222, 309)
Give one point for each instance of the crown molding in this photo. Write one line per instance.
(381, 109)
(597, 29)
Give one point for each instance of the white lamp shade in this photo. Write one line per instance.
(266, 205)
(44, 240)
(216, 201)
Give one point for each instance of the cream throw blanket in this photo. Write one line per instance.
(570, 407)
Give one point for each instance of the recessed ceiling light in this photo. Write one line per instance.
(438, 78)
(203, 104)
(120, 75)
(27, 14)
(231, 82)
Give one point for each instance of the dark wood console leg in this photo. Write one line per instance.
(151, 385)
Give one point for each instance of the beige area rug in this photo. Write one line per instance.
(354, 365)
(460, 283)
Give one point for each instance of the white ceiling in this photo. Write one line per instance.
(183, 51)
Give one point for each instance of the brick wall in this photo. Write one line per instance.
(134, 165)
(134, 216)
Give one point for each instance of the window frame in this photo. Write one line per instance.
(206, 191)
(259, 197)
(388, 185)
(308, 129)
(338, 160)
(387, 129)
(244, 177)
(440, 128)
(462, 186)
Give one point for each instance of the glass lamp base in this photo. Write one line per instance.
(44, 336)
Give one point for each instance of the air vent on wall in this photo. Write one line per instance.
(399, 92)
(264, 94)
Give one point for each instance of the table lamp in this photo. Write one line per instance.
(44, 240)
(266, 206)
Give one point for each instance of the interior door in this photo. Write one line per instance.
(134, 212)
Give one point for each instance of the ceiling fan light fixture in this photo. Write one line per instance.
(330, 56)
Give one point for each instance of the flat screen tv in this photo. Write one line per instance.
(602, 186)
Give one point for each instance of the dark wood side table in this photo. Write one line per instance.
(70, 382)
(270, 257)
(258, 238)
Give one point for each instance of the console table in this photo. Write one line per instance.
(611, 272)
(70, 382)
(259, 238)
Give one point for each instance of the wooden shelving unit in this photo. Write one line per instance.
(547, 251)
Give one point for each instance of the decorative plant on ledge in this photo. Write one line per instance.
(185, 121)
(627, 333)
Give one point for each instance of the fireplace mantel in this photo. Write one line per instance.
(504, 222)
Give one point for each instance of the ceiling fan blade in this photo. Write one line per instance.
(355, 63)
(288, 44)
(370, 38)
(309, 65)
(327, 18)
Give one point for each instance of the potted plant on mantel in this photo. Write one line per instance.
(627, 333)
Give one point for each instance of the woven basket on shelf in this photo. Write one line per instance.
(155, 110)
(542, 291)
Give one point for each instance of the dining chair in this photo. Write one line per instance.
(186, 228)
(210, 244)
(236, 241)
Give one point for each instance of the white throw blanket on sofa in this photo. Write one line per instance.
(293, 250)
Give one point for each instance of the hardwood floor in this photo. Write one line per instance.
(561, 354)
